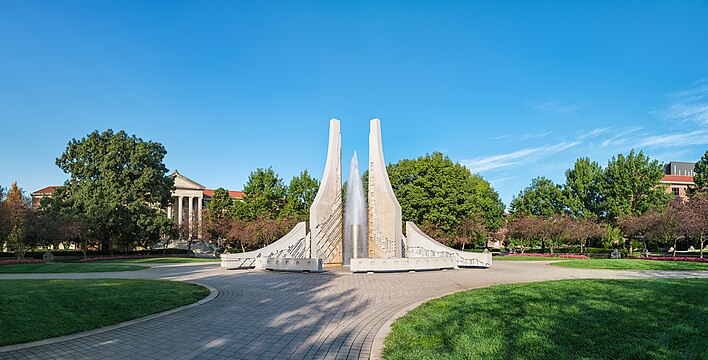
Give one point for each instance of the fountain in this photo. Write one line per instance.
(355, 235)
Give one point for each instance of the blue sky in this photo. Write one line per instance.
(513, 90)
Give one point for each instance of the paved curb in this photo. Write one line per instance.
(378, 344)
(213, 293)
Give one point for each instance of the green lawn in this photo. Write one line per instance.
(165, 260)
(569, 319)
(630, 264)
(40, 309)
(67, 268)
(524, 258)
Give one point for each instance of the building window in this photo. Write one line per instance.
(675, 191)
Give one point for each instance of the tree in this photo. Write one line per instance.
(523, 227)
(435, 192)
(582, 188)
(631, 186)
(701, 174)
(471, 230)
(217, 214)
(696, 219)
(264, 195)
(118, 184)
(541, 198)
(17, 207)
(299, 196)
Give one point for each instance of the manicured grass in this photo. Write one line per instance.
(67, 268)
(524, 258)
(40, 309)
(630, 264)
(165, 260)
(569, 319)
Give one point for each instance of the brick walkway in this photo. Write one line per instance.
(268, 315)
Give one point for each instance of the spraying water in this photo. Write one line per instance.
(355, 236)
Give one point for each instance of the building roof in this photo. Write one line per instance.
(45, 191)
(232, 193)
(183, 182)
(677, 179)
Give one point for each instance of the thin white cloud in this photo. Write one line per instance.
(696, 137)
(513, 158)
(689, 105)
(502, 179)
(593, 133)
(555, 106)
(526, 136)
(537, 135)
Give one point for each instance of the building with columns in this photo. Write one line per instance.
(188, 200)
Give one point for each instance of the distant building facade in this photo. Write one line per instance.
(678, 177)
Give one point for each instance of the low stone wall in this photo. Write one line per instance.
(402, 264)
(289, 264)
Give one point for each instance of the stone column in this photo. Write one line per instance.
(169, 211)
(180, 212)
(200, 200)
(191, 214)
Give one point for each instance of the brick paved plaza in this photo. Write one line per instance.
(269, 315)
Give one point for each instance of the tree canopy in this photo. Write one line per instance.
(701, 174)
(583, 188)
(264, 195)
(541, 198)
(299, 196)
(631, 185)
(117, 184)
(433, 189)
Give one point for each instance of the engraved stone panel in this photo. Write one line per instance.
(326, 209)
(385, 224)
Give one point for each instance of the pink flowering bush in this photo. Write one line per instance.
(15, 262)
(677, 258)
(564, 256)
(539, 255)
(573, 256)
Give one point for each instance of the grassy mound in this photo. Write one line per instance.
(570, 319)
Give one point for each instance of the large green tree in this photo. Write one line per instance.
(582, 188)
(300, 194)
(118, 184)
(264, 195)
(433, 189)
(631, 186)
(541, 198)
(701, 177)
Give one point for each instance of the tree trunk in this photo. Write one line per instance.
(675, 244)
(702, 241)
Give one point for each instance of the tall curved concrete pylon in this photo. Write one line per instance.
(385, 218)
(326, 210)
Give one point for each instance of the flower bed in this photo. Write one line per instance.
(537, 255)
(127, 257)
(573, 256)
(676, 258)
(15, 262)
(564, 256)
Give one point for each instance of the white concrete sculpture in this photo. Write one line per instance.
(385, 233)
(326, 209)
(420, 245)
(292, 245)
